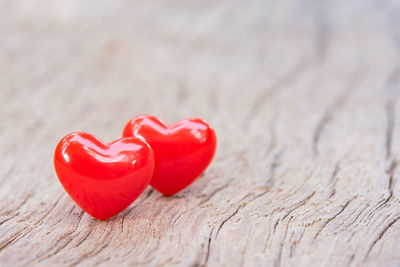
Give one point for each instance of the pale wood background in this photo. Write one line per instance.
(303, 97)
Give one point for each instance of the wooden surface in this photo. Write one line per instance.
(302, 95)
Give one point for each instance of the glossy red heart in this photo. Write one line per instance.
(182, 151)
(103, 179)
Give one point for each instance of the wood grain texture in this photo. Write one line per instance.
(303, 96)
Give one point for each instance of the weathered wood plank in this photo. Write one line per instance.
(302, 95)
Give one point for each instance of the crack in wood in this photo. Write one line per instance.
(23, 202)
(325, 119)
(271, 91)
(85, 237)
(278, 260)
(95, 252)
(65, 239)
(390, 125)
(332, 218)
(322, 32)
(208, 248)
(333, 181)
(227, 219)
(296, 242)
(212, 194)
(389, 107)
(274, 165)
(298, 205)
(11, 239)
(20, 234)
(380, 235)
(358, 215)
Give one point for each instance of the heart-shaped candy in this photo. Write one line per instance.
(103, 179)
(182, 151)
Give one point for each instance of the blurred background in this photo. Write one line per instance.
(64, 60)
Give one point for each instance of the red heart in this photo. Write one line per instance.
(182, 151)
(103, 179)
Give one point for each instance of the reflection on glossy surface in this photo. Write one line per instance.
(182, 151)
(103, 179)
